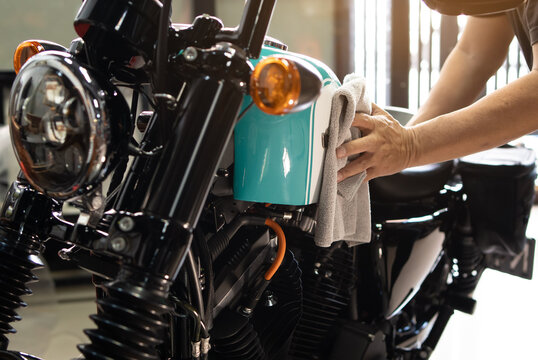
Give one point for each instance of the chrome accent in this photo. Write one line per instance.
(206, 345)
(118, 244)
(190, 54)
(420, 219)
(270, 41)
(195, 349)
(126, 224)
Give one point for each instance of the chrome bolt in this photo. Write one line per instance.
(17, 193)
(97, 202)
(245, 310)
(190, 54)
(317, 267)
(63, 254)
(126, 224)
(270, 299)
(118, 244)
(9, 211)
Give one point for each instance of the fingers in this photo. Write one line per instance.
(357, 146)
(354, 167)
(376, 110)
(380, 148)
(368, 121)
(363, 121)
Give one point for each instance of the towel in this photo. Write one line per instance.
(344, 208)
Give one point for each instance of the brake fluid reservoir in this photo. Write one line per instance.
(279, 158)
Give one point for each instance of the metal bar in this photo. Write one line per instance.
(507, 64)
(262, 25)
(252, 28)
(449, 36)
(376, 54)
(241, 37)
(419, 68)
(344, 40)
(518, 61)
(430, 68)
(364, 37)
(400, 57)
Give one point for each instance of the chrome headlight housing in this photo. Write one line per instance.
(67, 124)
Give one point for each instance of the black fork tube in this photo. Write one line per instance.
(187, 166)
(176, 195)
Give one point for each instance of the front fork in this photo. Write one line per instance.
(25, 221)
(151, 235)
(154, 242)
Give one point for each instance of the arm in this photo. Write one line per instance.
(479, 53)
(387, 147)
(504, 115)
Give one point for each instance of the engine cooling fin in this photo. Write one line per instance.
(277, 323)
(328, 275)
(266, 334)
(16, 271)
(130, 322)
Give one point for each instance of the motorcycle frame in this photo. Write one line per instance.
(200, 124)
(155, 229)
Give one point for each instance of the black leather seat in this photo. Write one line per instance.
(411, 184)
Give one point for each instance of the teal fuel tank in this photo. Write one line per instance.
(279, 158)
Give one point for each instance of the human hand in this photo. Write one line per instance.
(385, 147)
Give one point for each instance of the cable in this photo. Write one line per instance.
(220, 241)
(140, 91)
(281, 248)
(195, 284)
(206, 263)
(244, 111)
(198, 325)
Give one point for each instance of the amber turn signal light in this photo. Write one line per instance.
(275, 85)
(25, 51)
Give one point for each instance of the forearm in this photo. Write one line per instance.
(504, 115)
(477, 56)
(459, 85)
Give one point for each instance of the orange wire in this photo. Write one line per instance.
(281, 248)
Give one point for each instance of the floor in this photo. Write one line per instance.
(503, 326)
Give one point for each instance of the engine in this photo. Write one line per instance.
(294, 315)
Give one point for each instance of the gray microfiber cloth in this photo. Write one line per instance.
(344, 208)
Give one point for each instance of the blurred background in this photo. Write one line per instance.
(399, 46)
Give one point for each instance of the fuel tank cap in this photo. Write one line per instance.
(270, 41)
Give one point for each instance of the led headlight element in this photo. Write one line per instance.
(67, 125)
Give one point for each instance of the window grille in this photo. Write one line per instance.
(426, 49)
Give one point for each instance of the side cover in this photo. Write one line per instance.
(279, 159)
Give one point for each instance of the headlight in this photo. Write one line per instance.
(67, 125)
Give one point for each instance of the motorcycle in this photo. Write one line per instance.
(200, 246)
